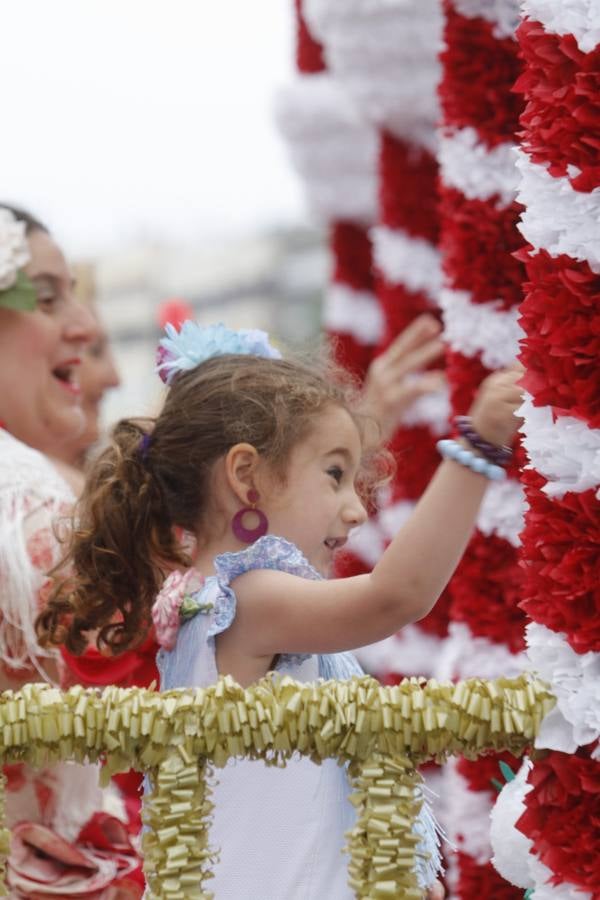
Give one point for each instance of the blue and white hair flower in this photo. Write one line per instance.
(185, 349)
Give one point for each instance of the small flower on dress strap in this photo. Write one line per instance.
(177, 599)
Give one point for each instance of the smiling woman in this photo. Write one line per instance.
(43, 332)
(41, 348)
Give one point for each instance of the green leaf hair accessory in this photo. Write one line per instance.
(16, 290)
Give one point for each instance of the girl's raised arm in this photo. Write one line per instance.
(280, 613)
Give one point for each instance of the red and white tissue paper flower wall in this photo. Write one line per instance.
(334, 150)
(480, 299)
(555, 848)
(385, 54)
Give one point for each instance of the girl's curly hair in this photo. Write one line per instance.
(154, 477)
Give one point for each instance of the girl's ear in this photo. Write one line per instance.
(241, 466)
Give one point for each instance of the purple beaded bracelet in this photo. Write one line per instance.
(499, 456)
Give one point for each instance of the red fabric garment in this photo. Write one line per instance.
(134, 668)
(100, 863)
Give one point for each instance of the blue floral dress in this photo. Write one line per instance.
(279, 832)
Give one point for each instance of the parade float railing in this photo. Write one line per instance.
(176, 737)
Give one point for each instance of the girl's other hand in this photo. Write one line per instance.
(493, 410)
(396, 378)
(436, 891)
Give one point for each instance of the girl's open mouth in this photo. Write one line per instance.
(335, 543)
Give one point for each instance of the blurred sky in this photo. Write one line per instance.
(129, 119)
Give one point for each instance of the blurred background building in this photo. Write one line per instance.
(143, 134)
(270, 279)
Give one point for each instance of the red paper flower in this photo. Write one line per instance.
(560, 559)
(348, 564)
(561, 120)
(465, 374)
(486, 590)
(562, 817)
(478, 244)
(436, 621)
(482, 881)
(400, 306)
(479, 72)
(352, 254)
(349, 354)
(416, 461)
(353, 266)
(408, 188)
(481, 773)
(561, 317)
(309, 53)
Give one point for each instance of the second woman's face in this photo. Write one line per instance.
(98, 375)
(40, 352)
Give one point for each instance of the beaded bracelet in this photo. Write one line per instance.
(449, 449)
(499, 456)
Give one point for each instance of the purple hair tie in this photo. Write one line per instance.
(144, 446)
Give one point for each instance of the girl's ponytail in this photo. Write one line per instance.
(121, 546)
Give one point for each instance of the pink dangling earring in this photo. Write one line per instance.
(249, 535)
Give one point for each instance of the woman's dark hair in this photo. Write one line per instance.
(123, 543)
(21, 215)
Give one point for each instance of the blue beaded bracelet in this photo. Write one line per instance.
(449, 449)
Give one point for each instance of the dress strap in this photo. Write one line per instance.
(268, 552)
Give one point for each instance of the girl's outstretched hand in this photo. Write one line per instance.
(493, 410)
(396, 378)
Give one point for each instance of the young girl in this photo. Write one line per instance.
(263, 461)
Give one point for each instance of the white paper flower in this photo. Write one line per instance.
(502, 14)
(558, 218)
(386, 55)
(502, 511)
(575, 681)
(354, 312)
(404, 259)
(576, 17)
(478, 171)
(333, 149)
(545, 890)
(565, 450)
(485, 328)
(14, 253)
(511, 847)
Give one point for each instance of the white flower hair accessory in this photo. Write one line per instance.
(183, 350)
(16, 291)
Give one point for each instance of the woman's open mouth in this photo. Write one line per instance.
(65, 375)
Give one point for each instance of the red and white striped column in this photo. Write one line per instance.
(385, 55)
(334, 151)
(480, 300)
(556, 849)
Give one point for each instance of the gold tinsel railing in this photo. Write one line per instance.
(175, 736)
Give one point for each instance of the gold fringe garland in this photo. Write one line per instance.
(356, 721)
(382, 845)
(4, 837)
(177, 812)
